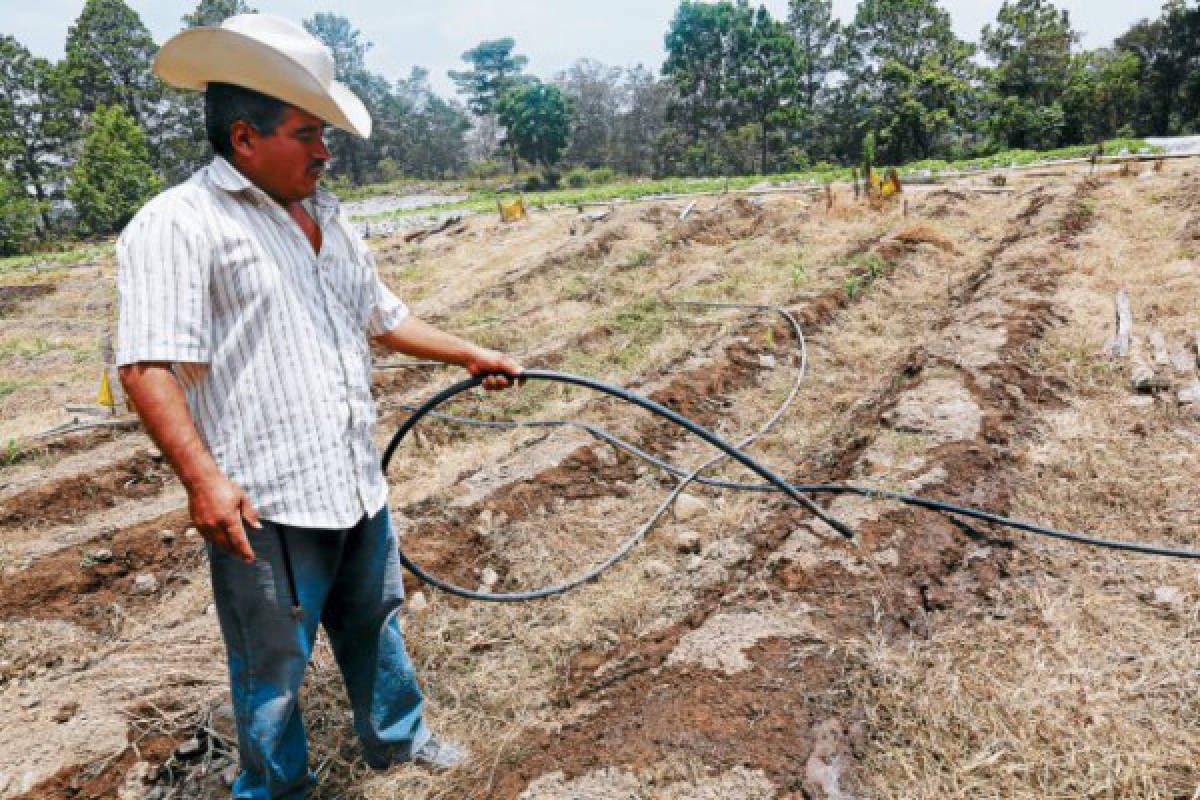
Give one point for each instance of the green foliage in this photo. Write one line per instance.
(1030, 45)
(54, 261)
(35, 128)
(18, 217)
(426, 131)
(537, 117)
(816, 33)
(1102, 86)
(484, 169)
(494, 70)
(8, 387)
(108, 57)
(1168, 53)
(26, 347)
(643, 322)
(113, 176)
(214, 12)
(736, 72)
(12, 453)
(580, 177)
(909, 78)
(799, 272)
(638, 258)
(416, 132)
(596, 96)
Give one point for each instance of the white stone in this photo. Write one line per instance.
(887, 558)
(655, 568)
(689, 507)
(101, 555)
(1141, 377)
(229, 775)
(489, 577)
(605, 454)
(1158, 346)
(145, 583)
(166, 537)
(694, 564)
(1169, 598)
(687, 542)
(1190, 395)
(767, 361)
(191, 533)
(190, 748)
(417, 601)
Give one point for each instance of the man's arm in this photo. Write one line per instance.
(421, 340)
(216, 504)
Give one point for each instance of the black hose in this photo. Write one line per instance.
(774, 483)
(560, 377)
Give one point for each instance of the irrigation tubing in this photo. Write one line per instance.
(685, 477)
(798, 493)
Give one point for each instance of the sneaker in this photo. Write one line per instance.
(440, 755)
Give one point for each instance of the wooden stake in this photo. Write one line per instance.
(1119, 346)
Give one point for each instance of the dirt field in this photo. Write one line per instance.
(957, 347)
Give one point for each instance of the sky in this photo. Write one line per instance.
(552, 33)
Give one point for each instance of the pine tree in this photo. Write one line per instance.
(18, 216)
(214, 12)
(36, 111)
(109, 57)
(1030, 46)
(113, 176)
(909, 79)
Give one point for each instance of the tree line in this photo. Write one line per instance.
(84, 141)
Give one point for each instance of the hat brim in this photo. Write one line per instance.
(194, 58)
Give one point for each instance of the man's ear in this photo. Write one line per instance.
(243, 138)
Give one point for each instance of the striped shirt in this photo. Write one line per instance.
(268, 340)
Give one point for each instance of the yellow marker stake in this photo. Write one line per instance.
(105, 397)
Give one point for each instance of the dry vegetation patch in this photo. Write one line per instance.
(745, 650)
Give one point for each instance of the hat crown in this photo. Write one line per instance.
(289, 39)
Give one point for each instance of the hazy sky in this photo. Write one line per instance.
(553, 33)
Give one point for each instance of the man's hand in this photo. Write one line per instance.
(218, 506)
(483, 362)
(421, 340)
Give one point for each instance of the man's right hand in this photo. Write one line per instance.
(218, 506)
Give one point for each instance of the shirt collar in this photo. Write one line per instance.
(226, 176)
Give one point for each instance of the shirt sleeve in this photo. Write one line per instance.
(387, 311)
(164, 272)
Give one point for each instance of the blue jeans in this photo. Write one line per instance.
(348, 580)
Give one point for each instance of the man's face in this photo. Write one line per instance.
(288, 163)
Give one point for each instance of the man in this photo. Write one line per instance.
(246, 305)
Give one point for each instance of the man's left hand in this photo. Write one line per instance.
(501, 370)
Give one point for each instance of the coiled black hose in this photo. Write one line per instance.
(774, 483)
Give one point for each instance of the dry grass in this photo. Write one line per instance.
(1073, 682)
(1074, 692)
(1066, 683)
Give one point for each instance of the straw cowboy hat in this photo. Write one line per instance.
(267, 54)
